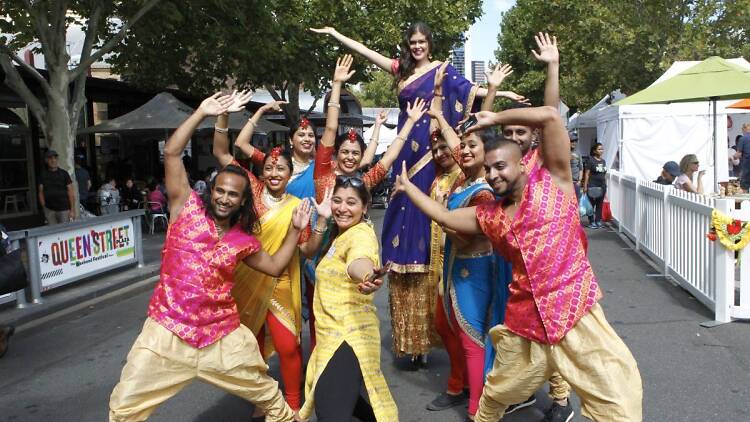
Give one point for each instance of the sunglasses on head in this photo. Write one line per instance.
(695, 162)
(352, 181)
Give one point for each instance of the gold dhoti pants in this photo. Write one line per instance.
(591, 357)
(160, 364)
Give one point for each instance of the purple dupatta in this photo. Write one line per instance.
(406, 230)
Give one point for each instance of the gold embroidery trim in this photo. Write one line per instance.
(416, 168)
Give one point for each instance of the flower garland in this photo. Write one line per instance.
(733, 234)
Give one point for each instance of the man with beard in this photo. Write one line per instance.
(193, 328)
(553, 322)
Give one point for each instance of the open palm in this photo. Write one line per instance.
(548, 52)
(239, 99)
(216, 104)
(324, 207)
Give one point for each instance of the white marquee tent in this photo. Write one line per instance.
(649, 135)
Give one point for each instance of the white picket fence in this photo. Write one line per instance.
(670, 227)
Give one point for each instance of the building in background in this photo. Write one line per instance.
(477, 72)
(458, 59)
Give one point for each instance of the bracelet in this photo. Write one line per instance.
(399, 137)
(377, 140)
(438, 94)
(319, 231)
(221, 129)
(337, 105)
(251, 122)
(367, 277)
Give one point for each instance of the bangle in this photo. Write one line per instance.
(377, 140)
(332, 104)
(399, 137)
(221, 129)
(367, 277)
(438, 94)
(251, 122)
(319, 231)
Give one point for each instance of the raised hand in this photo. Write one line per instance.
(302, 215)
(440, 77)
(374, 280)
(485, 119)
(548, 52)
(216, 104)
(324, 207)
(273, 106)
(515, 97)
(239, 100)
(381, 117)
(416, 110)
(402, 180)
(342, 73)
(326, 30)
(497, 76)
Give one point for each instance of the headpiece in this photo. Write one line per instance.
(435, 136)
(275, 153)
(304, 123)
(352, 135)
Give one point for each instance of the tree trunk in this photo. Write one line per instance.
(292, 109)
(60, 132)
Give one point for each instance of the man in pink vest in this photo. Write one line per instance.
(193, 328)
(553, 321)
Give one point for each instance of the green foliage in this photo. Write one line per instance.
(379, 91)
(611, 44)
(203, 45)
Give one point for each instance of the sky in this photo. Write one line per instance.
(484, 32)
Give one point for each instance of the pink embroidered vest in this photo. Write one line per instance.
(553, 283)
(193, 297)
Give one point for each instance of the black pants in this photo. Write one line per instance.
(337, 392)
(598, 204)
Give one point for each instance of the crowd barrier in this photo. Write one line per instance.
(61, 254)
(670, 226)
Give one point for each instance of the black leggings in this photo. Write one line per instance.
(337, 392)
(598, 203)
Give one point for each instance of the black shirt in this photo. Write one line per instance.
(83, 178)
(55, 185)
(597, 172)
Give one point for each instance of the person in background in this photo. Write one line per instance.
(688, 166)
(576, 164)
(56, 194)
(131, 195)
(156, 197)
(734, 160)
(595, 182)
(6, 331)
(669, 172)
(743, 153)
(83, 178)
(109, 197)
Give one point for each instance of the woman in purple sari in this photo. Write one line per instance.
(406, 230)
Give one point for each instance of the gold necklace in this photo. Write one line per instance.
(219, 230)
(271, 200)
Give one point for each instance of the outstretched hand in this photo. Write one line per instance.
(324, 207)
(515, 97)
(485, 119)
(302, 215)
(343, 64)
(239, 99)
(216, 104)
(416, 110)
(328, 30)
(548, 52)
(273, 106)
(497, 76)
(374, 280)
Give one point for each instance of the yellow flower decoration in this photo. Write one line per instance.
(721, 223)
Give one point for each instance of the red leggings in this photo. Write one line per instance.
(466, 358)
(290, 358)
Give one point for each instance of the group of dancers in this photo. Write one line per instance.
(481, 244)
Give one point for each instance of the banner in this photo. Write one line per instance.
(78, 252)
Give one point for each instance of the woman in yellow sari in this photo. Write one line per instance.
(272, 306)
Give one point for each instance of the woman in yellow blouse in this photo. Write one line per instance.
(347, 353)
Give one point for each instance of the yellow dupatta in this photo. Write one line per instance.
(256, 293)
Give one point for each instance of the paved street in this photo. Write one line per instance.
(65, 368)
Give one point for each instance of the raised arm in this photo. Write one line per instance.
(378, 59)
(221, 130)
(372, 147)
(175, 176)
(461, 220)
(494, 80)
(415, 112)
(275, 264)
(246, 134)
(549, 54)
(555, 144)
(340, 75)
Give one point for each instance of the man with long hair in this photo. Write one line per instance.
(193, 328)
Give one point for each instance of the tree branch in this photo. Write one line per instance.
(25, 66)
(109, 45)
(315, 102)
(272, 91)
(15, 82)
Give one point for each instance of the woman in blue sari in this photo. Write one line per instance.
(406, 230)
